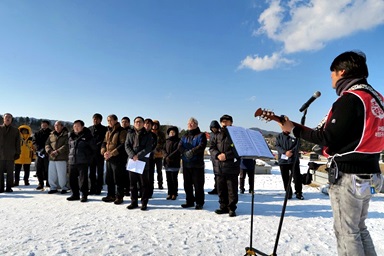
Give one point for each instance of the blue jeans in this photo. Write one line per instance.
(350, 198)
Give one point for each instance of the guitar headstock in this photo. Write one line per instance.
(267, 115)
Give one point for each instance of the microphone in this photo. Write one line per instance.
(309, 102)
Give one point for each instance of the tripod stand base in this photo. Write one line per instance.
(249, 251)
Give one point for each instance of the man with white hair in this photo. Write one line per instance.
(192, 146)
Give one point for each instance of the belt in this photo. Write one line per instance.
(365, 176)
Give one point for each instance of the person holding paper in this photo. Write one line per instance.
(138, 146)
(192, 146)
(287, 152)
(228, 169)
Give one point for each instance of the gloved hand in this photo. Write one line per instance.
(188, 154)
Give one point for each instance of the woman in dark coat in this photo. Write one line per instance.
(172, 158)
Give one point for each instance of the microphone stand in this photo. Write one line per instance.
(289, 187)
(252, 251)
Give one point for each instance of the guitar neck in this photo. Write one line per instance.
(268, 116)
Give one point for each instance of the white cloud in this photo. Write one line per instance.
(258, 63)
(252, 98)
(308, 25)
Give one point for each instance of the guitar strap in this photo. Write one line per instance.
(365, 87)
(371, 91)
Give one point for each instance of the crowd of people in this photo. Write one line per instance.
(351, 136)
(83, 160)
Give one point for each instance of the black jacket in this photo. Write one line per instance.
(222, 143)
(343, 134)
(81, 147)
(285, 143)
(39, 139)
(171, 152)
(139, 143)
(98, 132)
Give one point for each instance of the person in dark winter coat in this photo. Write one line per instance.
(247, 167)
(215, 129)
(42, 158)
(192, 146)
(158, 152)
(148, 123)
(138, 144)
(81, 150)
(96, 167)
(9, 151)
(228, 168)
(287, 152)
(172, 158)
(116, 158)
(126, 124)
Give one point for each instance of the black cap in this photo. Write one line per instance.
(226, 117)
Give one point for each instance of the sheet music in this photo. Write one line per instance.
(249, 142)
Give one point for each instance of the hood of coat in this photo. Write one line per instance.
(214, 124)
(25, 131)
(175, 129)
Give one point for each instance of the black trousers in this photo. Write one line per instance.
(194, 179)
(127, 182)
(96, 173)
(285, 170)
(143, 180)
(78, 179)
(6, 166)
(227, 185)
(172, 182)
(115, 179)
(42, 169)
(26, 169)
(251, 178)
(151, 175)
(159, 170)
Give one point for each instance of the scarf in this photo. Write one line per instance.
(344, 84)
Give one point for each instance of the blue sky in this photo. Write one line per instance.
(170, 60)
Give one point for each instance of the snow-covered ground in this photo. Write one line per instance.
(35, 223)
